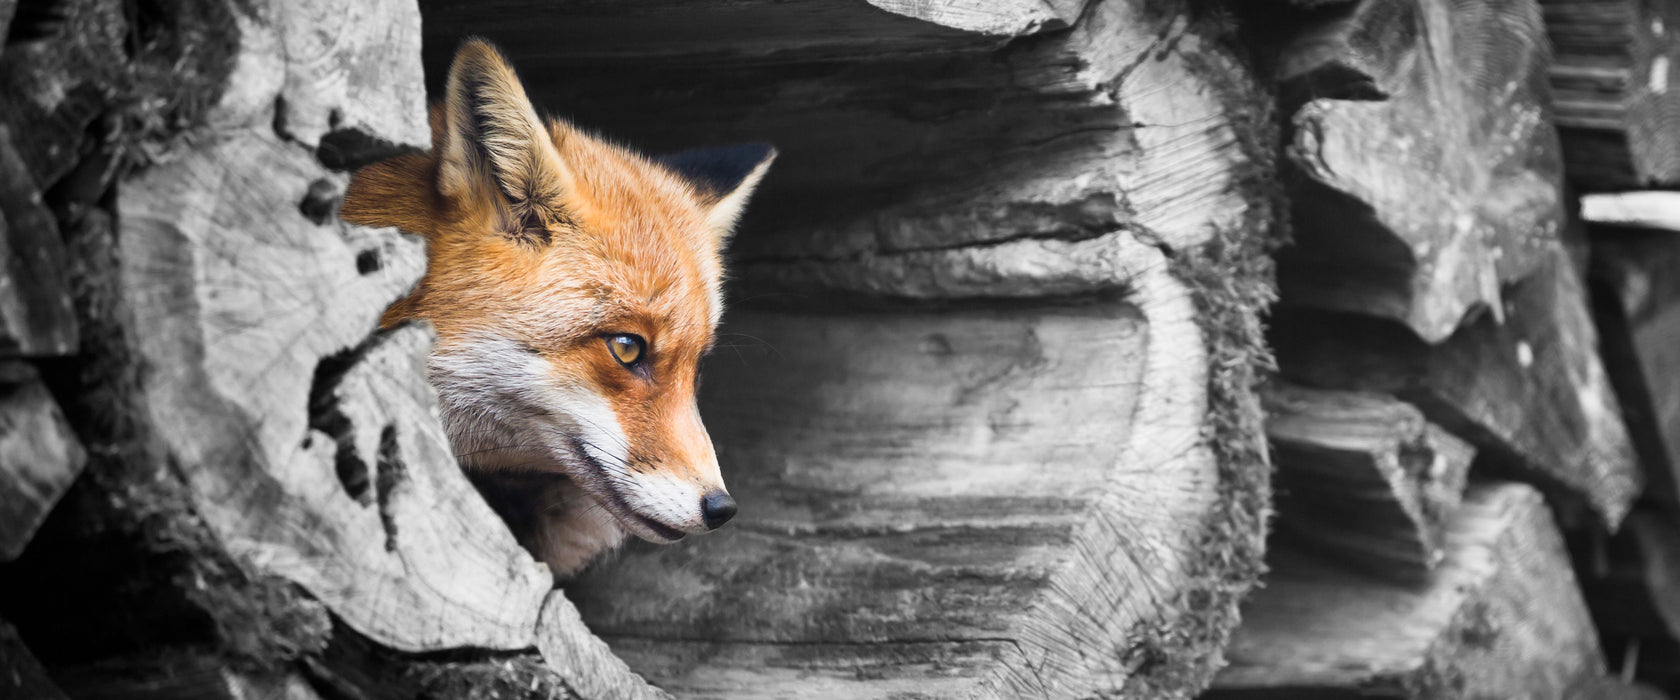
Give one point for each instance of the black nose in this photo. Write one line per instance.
(717, 508)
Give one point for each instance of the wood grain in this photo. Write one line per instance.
(1419, 206)
(39, 456)
(1530, 393)
(1613, 91)
(985, 492)
(1501, 618)
(1363, 478)
(35, 314)
(1132, 118)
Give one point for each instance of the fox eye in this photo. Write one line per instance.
(627, 349)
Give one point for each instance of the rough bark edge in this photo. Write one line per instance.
(1231, 279)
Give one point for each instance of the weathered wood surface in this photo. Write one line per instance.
(751, 31)
(39, 455)
(1637, 304)
(35, 313)
(314, 454)
(1502, 617)
(1531, 393)
(21, 676)
(1419, 206)
(1066, 137)
(1363, 478)
(1611, 76)
(896, 518)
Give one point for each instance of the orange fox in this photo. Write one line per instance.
(574, 287)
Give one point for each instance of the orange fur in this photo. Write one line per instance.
(541, 241)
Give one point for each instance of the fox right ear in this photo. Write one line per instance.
(493, 143)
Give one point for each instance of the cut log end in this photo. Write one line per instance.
(1502, 617)
(1364, 478)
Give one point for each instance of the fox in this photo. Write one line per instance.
(574, 286)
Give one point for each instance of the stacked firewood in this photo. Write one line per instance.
(1447, 311)
(990, 390)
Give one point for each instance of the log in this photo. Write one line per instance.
(1530, 393)
(279, 463)
(1637, 304)
(39, 456)
(1610, 78)
(1363, 478)
(897, 534)
(1018, 143)
(1502, 617)
(35, 314)
(1418, 206)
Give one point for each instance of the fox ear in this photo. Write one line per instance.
(492, 142)
(726, 177)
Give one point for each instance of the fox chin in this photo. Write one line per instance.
(574, 286)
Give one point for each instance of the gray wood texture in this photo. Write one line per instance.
(1502, 617)
(1530, 393)
(35, 314)
(915, 498)
(39, 456)
(1132, 119)
(1424, 171)
(1363, 478)
(310, 444)
(1615, 96)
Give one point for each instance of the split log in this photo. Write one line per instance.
(39, 456)
(1363, 478)
(1530, 393)
(829, 29)
(1610, 77)
(35, 313)
(886, 151)
(1083, 223)
(243, 409)
(1637, 302)
(1418, 206)
(1502, 617)
(316, 455)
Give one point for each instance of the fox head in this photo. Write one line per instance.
(574, 286)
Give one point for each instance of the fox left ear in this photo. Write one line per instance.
(726, 177)
(492, 142)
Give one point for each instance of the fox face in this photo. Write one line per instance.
(574, 287)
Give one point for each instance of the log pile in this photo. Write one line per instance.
(990, 390)
(1505, 341)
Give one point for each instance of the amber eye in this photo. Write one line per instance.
(627, 349)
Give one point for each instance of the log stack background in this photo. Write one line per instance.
(994, 390)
